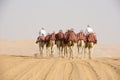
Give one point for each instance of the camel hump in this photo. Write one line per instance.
(92, 38)
(71, 36)
(42, 38)
(47, 38)
(52, 36)
(60, 36)
(81, 36)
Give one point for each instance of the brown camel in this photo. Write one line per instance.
(91, 41)
(41, 41)
(60, 42)
(70, 40)
(50, 42)
(81, 37)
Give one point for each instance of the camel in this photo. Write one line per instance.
(91, 41)
(81, 39)
(41, 41)
(60, 42)
(50, 42)
(70, 39)
(81, 47)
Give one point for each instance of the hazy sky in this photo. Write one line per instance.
(22, 19)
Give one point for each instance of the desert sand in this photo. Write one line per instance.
(18, 63)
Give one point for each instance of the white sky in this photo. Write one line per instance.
(22, 19)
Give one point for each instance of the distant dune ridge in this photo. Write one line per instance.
(17, 63)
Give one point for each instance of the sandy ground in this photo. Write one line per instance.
(17, 63)
(30, 68)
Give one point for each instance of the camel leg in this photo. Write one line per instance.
(65, 51)
(40, 49)
(72, 52)
(62, 51)
(59, 51)
(78, 50)
(82, 52)
(78, 46)
(90, 53)
(69, 52)
(90, 50)
(85, 52)
(47, 51)
(51, 51)
(58, 47)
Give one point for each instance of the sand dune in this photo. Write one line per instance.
(30, 68)
(17, 63)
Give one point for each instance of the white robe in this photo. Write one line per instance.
(89, 30)
(42, 33)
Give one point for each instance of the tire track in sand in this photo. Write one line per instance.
(18, 70)
(113, 73)
(68, 71)
(53, 72)
(13, 69)
(89, 71)
(75, 75)
(44, 71)
(60, 69)
(103, 71)
(92, 68)
(31, 73)
(81, 70)
(7, 66)
(116, 66)
(25, 70)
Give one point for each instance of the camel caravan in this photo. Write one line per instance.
(65, 43)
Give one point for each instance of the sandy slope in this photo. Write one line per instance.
(30, 68)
